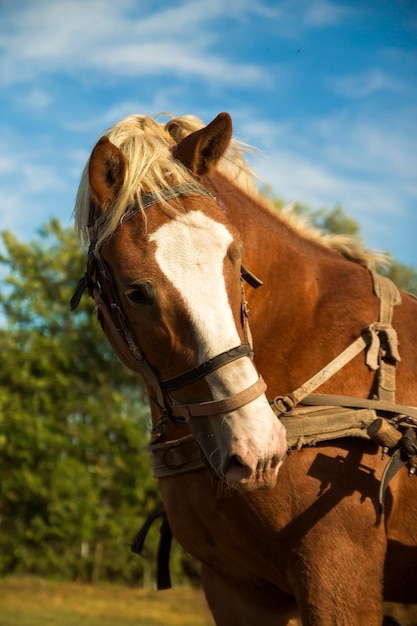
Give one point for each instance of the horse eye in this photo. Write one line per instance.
(140, 295)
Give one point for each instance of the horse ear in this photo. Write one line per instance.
(106, 172)
(201, 150)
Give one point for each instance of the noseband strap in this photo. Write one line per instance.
(200, 371)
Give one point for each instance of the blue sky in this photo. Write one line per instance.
(326, 89)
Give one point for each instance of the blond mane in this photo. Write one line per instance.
(349, 246)
(147, 143)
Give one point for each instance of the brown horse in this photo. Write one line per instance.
(173, 219)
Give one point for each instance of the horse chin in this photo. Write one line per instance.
(252, 485)
(242, 479)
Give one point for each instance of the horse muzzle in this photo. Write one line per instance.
(245, 450)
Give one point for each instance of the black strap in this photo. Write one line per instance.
(401, 455)
(250, 278)
(163, 578)
(398, 460)
(200, 371)
(81, 287)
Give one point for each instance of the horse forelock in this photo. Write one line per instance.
(146, 146)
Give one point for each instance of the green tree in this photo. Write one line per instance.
(402, 275)
(75, 475)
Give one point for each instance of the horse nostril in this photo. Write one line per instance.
(236, 470)
(236, 461)
(275, 461)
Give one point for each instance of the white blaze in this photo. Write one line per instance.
(190, 252)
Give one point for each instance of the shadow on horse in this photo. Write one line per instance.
(266, 440)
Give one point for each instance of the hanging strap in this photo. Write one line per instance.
(163, 578)
(385, 340)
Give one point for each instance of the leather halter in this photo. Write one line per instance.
(100, 284)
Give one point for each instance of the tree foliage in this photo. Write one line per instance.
(75, 475)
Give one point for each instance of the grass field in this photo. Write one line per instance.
(33, 602)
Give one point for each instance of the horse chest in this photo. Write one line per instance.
(268, 535)
(237, 535)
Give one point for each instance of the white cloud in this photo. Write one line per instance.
(107, 37)
(366, 84)
(123, 39)
(320, 13)
(35, 99)
(374, 143)
(27, 177)
(294, 17)
(377, 208)
(371, 143)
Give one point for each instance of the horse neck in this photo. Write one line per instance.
(313, 303)
(273, 250)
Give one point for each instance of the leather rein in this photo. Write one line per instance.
(99, 283)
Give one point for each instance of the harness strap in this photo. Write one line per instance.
(177, 456)
(305, 426)
(287, 402)
(163, 578)
(164, 194)
(327, 399)
(250, 278)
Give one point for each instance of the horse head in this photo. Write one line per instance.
(165, 271)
